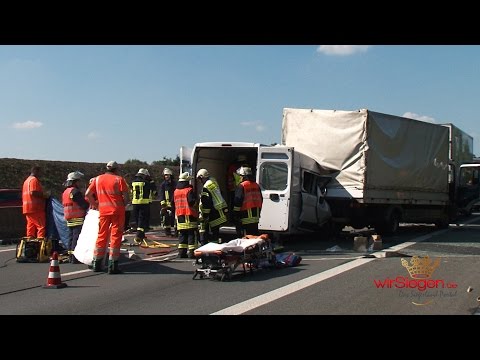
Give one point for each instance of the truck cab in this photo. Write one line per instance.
(468, 189)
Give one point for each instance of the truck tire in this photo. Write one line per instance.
(391, 224)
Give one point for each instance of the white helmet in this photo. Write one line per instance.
(184, 177)
(143, 172)
(167, 171)
(76, 175)
(244, 171)
(111, 165)
(202, 173)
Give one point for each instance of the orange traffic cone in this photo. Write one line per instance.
(54, 281)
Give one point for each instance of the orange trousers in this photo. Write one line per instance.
(36, 224)
(112, 225)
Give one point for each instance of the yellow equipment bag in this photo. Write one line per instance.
(34, 250)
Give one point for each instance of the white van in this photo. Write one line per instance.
(293, 186)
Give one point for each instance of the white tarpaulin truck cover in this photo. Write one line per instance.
(367, 150)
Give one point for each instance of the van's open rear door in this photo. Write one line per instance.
(273, 176)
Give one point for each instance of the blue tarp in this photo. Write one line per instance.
(56, 224)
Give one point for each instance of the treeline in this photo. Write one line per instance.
(14, 171)
(165, 162)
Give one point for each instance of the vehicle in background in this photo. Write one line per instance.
(387, 169)
(10, 197)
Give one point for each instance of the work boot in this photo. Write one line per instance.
(191, 254)
(113, 267)
(97, 265)
(168, 231)
(182, 254)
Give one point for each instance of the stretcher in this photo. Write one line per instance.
(219, 261)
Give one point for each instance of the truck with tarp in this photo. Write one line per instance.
(352, 168)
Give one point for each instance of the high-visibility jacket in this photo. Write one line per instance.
(185, 212)
(141, 191)
(248, 201)
(212, 204)
(109, 188)
(32, 204)
(73, 212)
(217, 199)
(182, 207)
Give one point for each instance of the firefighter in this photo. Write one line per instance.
(247, 204)
(111, 190)
(74, 208)
(213, 208)
(233, 179)
(142, 191)
(186, 215)
(153, 194)
(167, 212)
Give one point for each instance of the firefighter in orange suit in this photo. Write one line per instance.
(112, 194)
(247, 204)
(186, 215)
(33, 204)
(74, 210)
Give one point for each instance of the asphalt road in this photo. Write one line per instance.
(331, 279)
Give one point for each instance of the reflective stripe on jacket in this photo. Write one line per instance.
(31, 204)
(109, 189)
(71, 209)
(141, 193)
(182, 207)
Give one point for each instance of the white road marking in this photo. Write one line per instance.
(276, 294)
(289, 289)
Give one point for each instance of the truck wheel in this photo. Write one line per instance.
(390, 225)
(393, 222)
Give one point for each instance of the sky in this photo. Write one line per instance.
(121, 102)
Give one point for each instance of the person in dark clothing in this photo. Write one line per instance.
(213, 208)
(142, 190)
(186, 214)
(153, 194)
(75, 208)
(167, 213)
